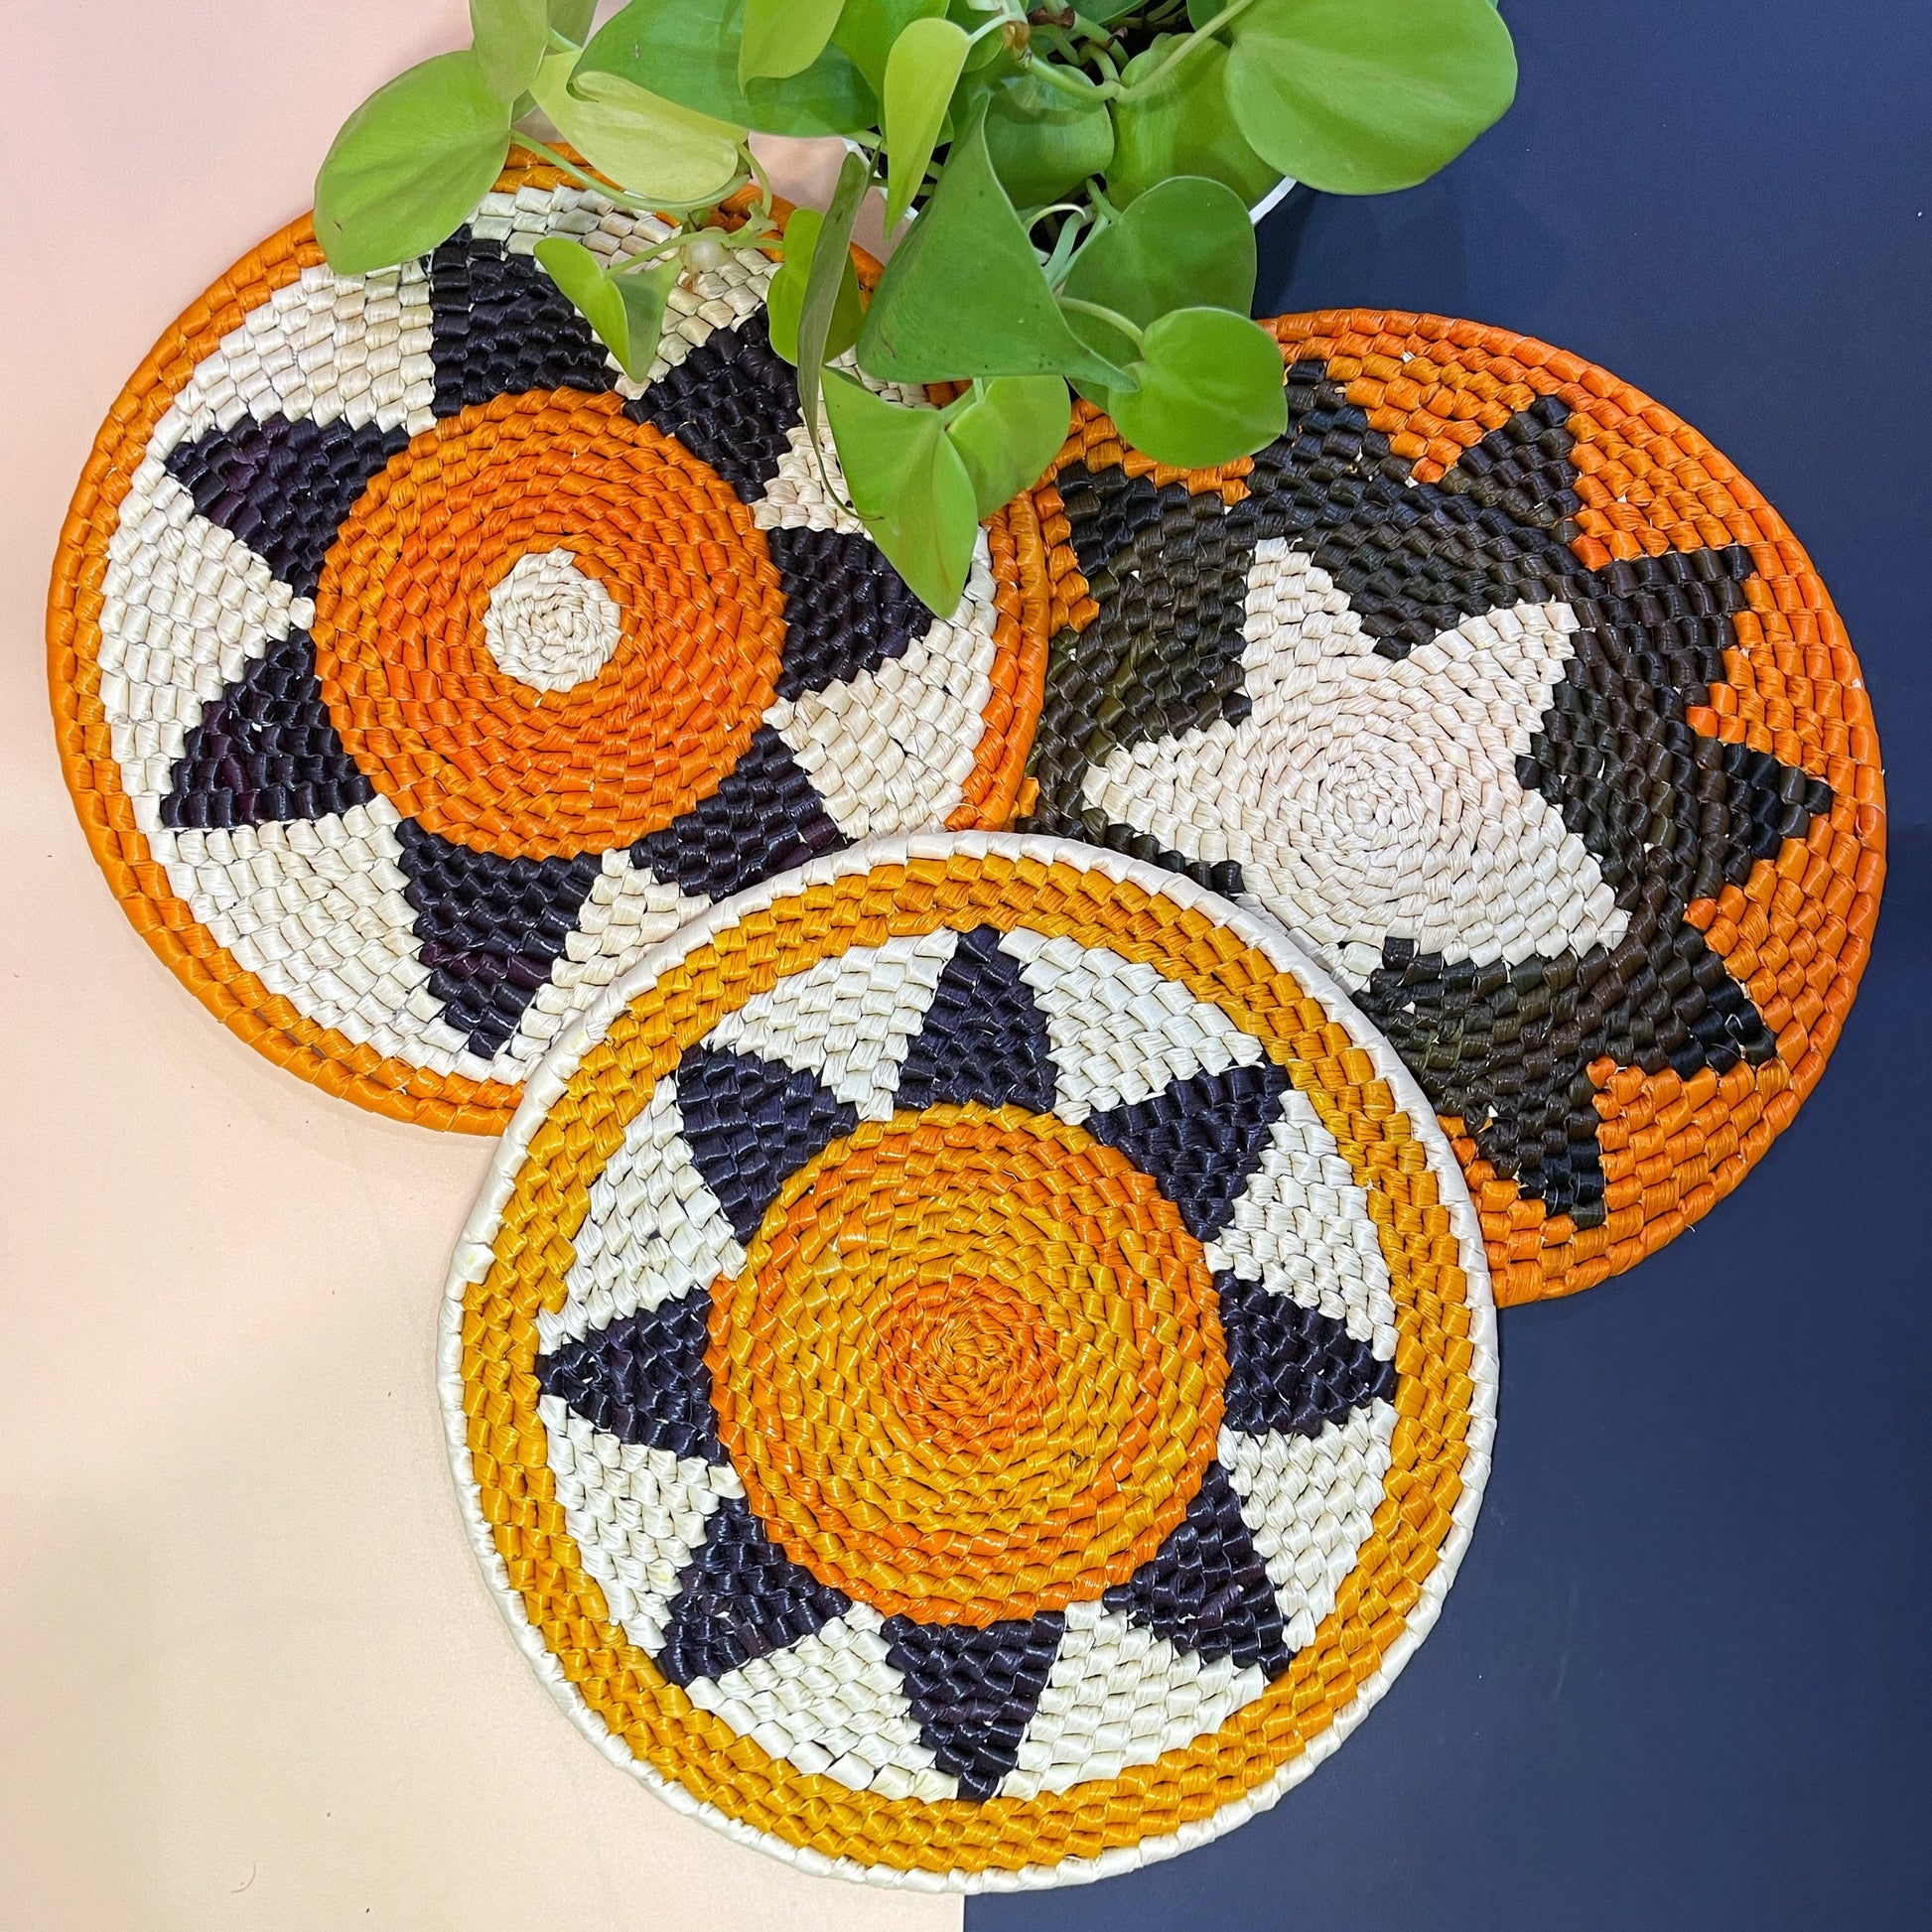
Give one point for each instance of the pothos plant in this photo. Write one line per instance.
(1078, 178)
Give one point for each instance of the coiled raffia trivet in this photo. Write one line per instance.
(974, 1364)
(415, 672)
(1501, 688)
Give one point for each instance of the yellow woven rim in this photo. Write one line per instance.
(519, 1249)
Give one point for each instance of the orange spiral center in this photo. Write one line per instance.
(972, 1369)
(403, 627)
(966, 1362)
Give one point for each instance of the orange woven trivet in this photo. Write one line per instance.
(1505, 692)
(415, 670)
(973, 1365)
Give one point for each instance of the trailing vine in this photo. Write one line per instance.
(1078, 179)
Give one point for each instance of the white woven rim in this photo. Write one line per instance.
(474, 1254)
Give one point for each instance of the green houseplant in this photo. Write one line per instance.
(1078, 179)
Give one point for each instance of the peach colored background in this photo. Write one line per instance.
(250, 1674)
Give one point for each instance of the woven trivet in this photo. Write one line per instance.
(974, 1365)
(1508, 695)
(415, 670)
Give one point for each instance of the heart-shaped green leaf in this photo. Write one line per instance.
(687, 51)
(643, 142)
(783, 37)
(920, 74)
(625, 309)
(410, 164)
(1210, 391)
(785, 298)
(1361, 96)
(1187, 243)
(1182, 126)
(580, 275)
(911, 488)
(510, 36)
(1007, 433)
(1042, 140)
(646, 293)
(964, 295)
(868, 29)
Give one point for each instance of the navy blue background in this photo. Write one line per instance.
(1683, 1678)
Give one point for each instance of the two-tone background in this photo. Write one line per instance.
(249, 1673)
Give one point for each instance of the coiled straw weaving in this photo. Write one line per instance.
(973, 1365)
(1510, 697)
(415, 671)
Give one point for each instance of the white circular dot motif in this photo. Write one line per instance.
(549, 624)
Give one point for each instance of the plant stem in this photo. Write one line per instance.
(1155, 74)
(1062, 259)
(1072, 261)
(760, 176)
(609, 192)
(1111, 317)
(576, 173)
(1060, 78)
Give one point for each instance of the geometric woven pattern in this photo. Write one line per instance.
(415, 669)
(976, 1367)
(1509, 697)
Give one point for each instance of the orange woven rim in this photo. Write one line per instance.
(328, 1058)
(1796, 932)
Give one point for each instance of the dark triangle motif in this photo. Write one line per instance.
(1524, 471)
(732, 402)
(283, 486)
(1289, 1368)
(1106, 509)
(266, 751)
(739, 1597)
(642, 1379)
(751, 1124)
(488, 928)
(1169, 571)
(1671, 816)
(1694, 813)
(764, 818)
(1415, 559)
(1207, 1588)
(1201, 1137)
(847, 609)
(499, 326)
(974, 1691)
(984, 1037)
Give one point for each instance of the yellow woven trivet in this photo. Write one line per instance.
(1510, 697)
(973, 1364)
(415, 670)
